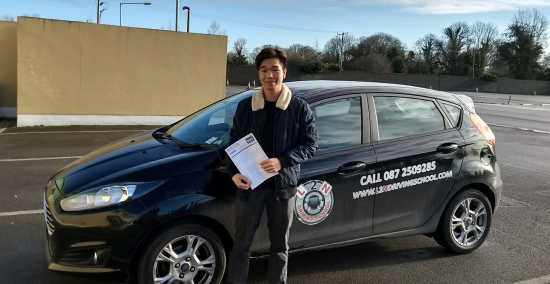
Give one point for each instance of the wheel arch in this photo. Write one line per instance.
(210, 223)
(483, 188)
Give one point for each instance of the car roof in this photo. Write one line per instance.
(313, 90)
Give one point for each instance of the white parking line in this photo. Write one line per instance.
(16, 213)
(2, 130)
(531, 107)
(39, 159)
(540, 280)
(523, 168)
(519, 128)
(80, 131)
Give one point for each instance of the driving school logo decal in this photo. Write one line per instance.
(314, 201)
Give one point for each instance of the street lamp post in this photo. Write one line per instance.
(177, 14)
(99, 3)
(473, 62)
(188, 15)
(473, 43)
(130, 3)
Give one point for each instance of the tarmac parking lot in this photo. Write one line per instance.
(517, 249)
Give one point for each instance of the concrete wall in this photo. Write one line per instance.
(8, 69)
(240, 75)
(83, 73)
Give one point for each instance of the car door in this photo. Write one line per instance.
(419, 155)
(325, 211)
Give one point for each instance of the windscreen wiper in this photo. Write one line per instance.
(167, 136)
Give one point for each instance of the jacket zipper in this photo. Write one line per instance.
(274, 154)
(259, 124)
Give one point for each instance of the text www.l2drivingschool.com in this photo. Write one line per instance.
(403, 184)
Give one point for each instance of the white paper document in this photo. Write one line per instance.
(247, 154)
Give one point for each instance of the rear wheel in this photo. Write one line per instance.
(185, 253)
(465, 223)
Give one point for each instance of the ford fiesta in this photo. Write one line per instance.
(392, 161)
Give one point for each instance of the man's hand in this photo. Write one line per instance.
(241, 181)
(271, 166)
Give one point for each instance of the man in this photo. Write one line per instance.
(285, 128)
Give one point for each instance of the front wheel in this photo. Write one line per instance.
(185, 253)
(465, 223)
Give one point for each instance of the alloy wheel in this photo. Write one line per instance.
(468, 222)
(185, 260)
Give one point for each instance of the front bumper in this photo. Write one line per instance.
(95, 241)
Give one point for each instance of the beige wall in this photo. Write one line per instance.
(8, 64)
(74, 68)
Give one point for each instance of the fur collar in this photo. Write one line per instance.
(258, 101)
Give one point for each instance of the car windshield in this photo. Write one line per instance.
(210, 125)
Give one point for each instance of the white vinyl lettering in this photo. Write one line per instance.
(397, 173)
(400, 185)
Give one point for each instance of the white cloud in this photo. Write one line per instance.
(463, 6)
(424, 6)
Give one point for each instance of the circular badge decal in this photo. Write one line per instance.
(314, 202)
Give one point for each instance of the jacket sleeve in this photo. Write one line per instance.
(234, 136)
(307, 139)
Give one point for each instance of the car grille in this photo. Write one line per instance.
(49, 218)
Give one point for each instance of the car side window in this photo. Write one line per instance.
(339, 123)
(454, 112)
(400, 117)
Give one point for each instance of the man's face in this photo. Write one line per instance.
(272, 73)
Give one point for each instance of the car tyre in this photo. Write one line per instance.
(466, 222)
(183, 252)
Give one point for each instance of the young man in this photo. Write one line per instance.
(285, 128)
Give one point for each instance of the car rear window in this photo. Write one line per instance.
(454, 112)
(400, 117)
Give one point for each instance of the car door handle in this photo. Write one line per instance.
(351, 168)
(447, 148)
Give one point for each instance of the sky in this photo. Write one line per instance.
(286, 22)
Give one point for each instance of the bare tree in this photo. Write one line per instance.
(239, 56)
(308, 54)
(300, 54)
(427, 49)
(7, 18)
(334, 47)
(455, 39)
(484, 37)
(215, 29)
(381, 43)
(535, 23)
(523, 47)
(484, 33)
(295, 48)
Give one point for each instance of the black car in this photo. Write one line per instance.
(392, 161)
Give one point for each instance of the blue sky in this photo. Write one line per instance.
(285, 22)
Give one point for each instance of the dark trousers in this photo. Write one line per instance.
(248, 215)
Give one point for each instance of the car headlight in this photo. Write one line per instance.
(106, 196)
